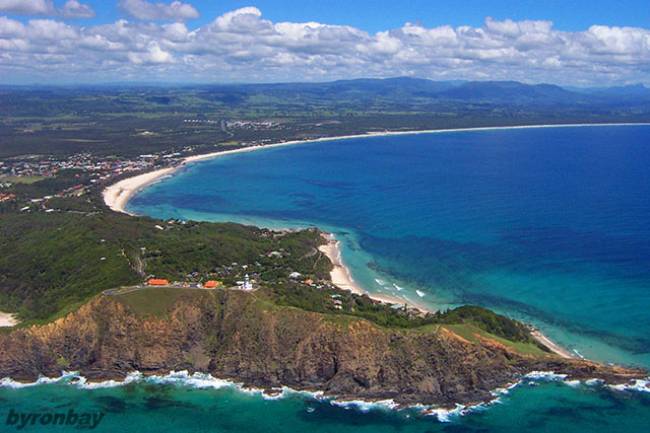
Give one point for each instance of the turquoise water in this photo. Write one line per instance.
(148, 407)
(547, 225)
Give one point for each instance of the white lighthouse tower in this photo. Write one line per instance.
(247, 283)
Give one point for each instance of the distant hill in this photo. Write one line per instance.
(629, 90)
(416, 91)
(511, 92)
(395, 92)
(66, 119)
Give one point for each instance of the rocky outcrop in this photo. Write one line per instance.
(236, 336)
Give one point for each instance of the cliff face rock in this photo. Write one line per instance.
(236, 336)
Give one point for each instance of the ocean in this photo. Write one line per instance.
(182, 404)
(545, 225)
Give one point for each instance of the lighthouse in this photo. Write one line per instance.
(247, 283)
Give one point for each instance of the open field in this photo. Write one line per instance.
(27, 180)
(129, 121)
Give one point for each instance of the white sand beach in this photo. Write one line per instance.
(7, 320)
(340, 274)
(117, 195)
(553, 347)
(342, 278)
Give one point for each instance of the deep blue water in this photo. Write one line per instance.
(548, 225)
(155, 408)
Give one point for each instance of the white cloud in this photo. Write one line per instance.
(75, 9)
(152, 55)
(238, 19)
(145, 10)
(27, 7)
(10, 28)
(242, 45)
(50, 30)
(71, 8)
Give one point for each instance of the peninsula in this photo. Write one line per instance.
(87, 287)
(297, 329)
(117, 195)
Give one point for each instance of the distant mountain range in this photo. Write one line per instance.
(111, 115)
(399, 90)
(417, 91)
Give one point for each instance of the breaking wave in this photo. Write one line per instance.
(199, 380)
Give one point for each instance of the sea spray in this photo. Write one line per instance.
(198, 380)
(638, 385)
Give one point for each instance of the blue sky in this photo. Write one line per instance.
(377, 15)
(575, 42)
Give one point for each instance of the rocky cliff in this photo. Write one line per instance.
(239, 336)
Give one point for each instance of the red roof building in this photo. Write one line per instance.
(157, 282)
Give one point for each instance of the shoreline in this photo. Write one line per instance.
(117, 195)
(551, 345)
(203, 380)
(342, 277)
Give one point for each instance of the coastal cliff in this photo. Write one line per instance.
(245, 338)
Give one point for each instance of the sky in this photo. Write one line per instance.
(577, 42)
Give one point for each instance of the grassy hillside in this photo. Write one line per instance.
(473, 324)
(50, 263)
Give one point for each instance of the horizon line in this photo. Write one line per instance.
(248, 83)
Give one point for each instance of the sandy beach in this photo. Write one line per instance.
(118, 195)
(554, 347)
(342, 277)
(7, 320)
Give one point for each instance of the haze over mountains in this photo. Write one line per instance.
(412, 89)
(407, 89)
(38, 119)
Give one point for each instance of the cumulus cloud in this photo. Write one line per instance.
(74, 9)
(71, 8)
(27, 7)
(152, 55)
(242, 45)
(145, 10)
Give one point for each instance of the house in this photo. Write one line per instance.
(157, 282)
(6, 197)
(211, 284)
